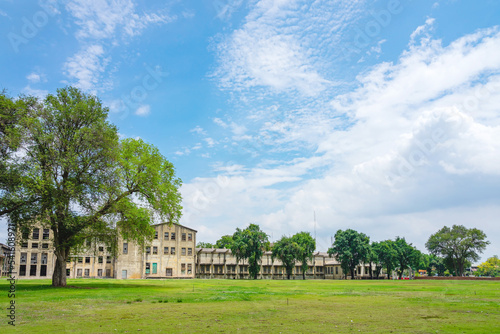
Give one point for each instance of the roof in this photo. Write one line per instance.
(168, 223)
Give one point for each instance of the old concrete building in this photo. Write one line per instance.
(171, 254)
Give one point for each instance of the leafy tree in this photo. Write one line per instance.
(250, 244)
(350, 248)
(387, 255)
(307, 246)
(374, 259)
(224, 242)
(438, 264)
(459, 244)
(202, 244)
(287, 251)
(490, 267)
(77, 178)
(407, 256)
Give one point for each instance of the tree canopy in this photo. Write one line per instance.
(73, 175)
(490, 267)
(286, 250)
(202, 244)
(387, 255)
(458, 245)
(407, 256)
(350, 248)
(224, 242)
(306, 247)
(250, 244)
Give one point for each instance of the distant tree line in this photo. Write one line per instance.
(451, 251)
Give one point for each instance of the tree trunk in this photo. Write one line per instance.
(303, 275)
(352, 273)
(371, 271)
(59, 275)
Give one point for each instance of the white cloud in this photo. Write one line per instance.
(40, 93)
(199, 130)
(33, 77)
(87, 67)
(143, 110)
(102, 19)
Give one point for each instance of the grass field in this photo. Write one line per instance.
(263, 306)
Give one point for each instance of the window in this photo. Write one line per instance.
(68, 272)
(190, 268)
(36, 233)
(99, 259)
(155, 268)
(26, 234)
(22, 270)
(168, 272)
(166, 235)
(34, 258)
(24, 257)
(34, 245)
(87, 272)
(148, 267)
(108, 272)
(148, 250)
(99, 272)
(172, 250)
(80, 260)
(101, 249)
(78, 273)
(336, 270)
(45, 246)
(190, 251)
(183, 268)
(183, 251)
(155, 250)
(108, 259)
(165, 250)
(190, 236)
(183, 238)
(33, 270)
(87, 259)
(46, 232)
(44, 258)
(125, 248)
(172, 236)
(43, 270)
(24, 245)
(156, 234)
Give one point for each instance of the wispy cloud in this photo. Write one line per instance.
(143, 110)
(87, 67)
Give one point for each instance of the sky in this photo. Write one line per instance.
(379, 116)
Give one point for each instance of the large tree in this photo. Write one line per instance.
(307, 246)
(350, 248)
(407, 256)
(249, 244)
(77, 178)
(387, 255)
(458, 244)
(286, 250)
(374, 260)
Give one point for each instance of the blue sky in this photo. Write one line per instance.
(380, 116)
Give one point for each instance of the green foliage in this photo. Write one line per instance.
(287, 251)
(307, 246)
(226, 241)
(350, 248)
(74, 176)
(458, 244)
(204, 245)
(250, 244)
(407, 256)
(373, 258)
(386, 255)
(490, 267)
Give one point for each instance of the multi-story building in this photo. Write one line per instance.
(4, 253)
(171, 254)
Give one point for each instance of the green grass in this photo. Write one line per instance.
(264, 306)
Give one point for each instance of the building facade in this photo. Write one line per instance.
(170, 255)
